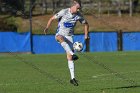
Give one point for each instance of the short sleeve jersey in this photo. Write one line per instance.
(67, 21)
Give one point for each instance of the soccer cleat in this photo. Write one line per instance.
(74, 82)
(74, 57)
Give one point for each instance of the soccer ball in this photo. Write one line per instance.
(78, 46)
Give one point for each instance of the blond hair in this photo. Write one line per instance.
(74, 2)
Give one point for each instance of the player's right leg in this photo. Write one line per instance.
(69, 40)
(61, 40)
(67, 44)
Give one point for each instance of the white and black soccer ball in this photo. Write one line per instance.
(78, 46)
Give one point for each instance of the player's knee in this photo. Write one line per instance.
(59, 38)
(69, 56)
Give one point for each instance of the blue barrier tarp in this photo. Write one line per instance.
(103, 41)
(46, 44)
(131, 41)
(41, 44)
(15, 42)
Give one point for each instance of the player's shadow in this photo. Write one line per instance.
(124, 87)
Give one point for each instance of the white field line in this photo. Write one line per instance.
(15, 84)
(103, 75)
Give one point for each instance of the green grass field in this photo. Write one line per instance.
(96, 73)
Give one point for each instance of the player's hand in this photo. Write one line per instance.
(45, 31)
(87, 37)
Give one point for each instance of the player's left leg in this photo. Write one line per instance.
(70, 58)
(71, 68)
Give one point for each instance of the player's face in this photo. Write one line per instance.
(76, 8)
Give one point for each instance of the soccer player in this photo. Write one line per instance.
(65, 32)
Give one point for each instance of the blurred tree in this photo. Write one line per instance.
(109, 7)
(130, 8)
(58, 3)
(135, 4)
(44, 6)
(33, 4)
(119, 8)
(99, 7)
(14, 5)
(22, 7)
(0, 5)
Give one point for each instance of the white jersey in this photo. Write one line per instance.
(67, 22)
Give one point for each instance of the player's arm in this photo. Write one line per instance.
(49, 23)
(86, 30)
(56, 16)
(86, 26)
